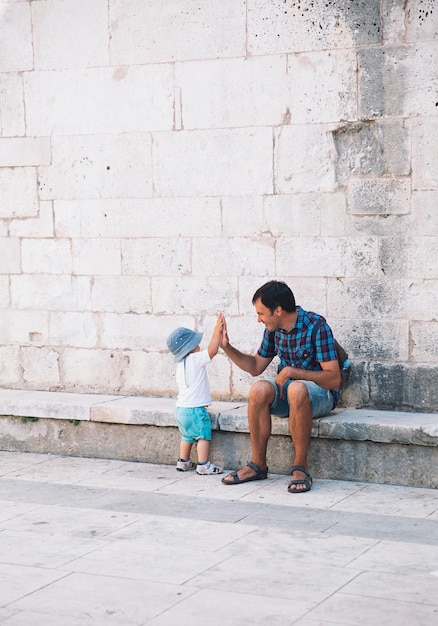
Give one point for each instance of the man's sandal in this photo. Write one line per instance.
(307, 482)
(260, 474)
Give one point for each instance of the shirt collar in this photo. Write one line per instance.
(299, 324)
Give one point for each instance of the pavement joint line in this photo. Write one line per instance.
(325, 521)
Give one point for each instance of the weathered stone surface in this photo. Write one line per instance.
(175, 296)
(179, 30)
(178, 155)
(81, 33)
(398, 80)
(16, 37)
(322, 86)
(40, 367)
(50, 291)
(24, 151)
(277, 27)
(98, 166)
(9, 365)
(121, 294)
(379, 196)
(132, 219)
(381, 426)
(304, 159)
(98, 440)
(52, 256)
(10, 256)
(357, 392)
(421, 20)
(404, 387)
(99, 100)
(40, 226)
(364, 299)
(103, 367)
(12, 122)
(394, 464)
(418, 256)
(235, 207)
(233, 259)
(18, 192)
(424, 142)
(96, 256)
(24, 327)
(340, 256)
(373, 339)
(156, 412)
(366, 445)
(424, 341)
(372, 149)
(424, 205)
(209, 89)
(422, 302)
(394, 19)
(48, 404)
(241, 160)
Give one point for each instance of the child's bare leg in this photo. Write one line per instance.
(203, 450)
(204, 465)
(185, 447)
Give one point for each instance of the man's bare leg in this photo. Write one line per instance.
(300, 427)
(261, 397)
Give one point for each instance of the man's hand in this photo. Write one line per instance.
(328, 377)
(282, 378)
(224, 340)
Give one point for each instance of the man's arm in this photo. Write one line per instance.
(253, 364)
(328, 377)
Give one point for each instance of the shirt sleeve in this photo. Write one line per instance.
(267, 347)
(325, 344)
(201, 358)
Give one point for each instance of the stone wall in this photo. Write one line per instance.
(159, 160)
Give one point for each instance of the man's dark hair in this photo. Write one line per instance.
(274, 294)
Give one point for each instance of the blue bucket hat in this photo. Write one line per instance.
(182, 341)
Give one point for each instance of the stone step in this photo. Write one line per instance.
(366, 445)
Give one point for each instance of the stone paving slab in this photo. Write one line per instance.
(49, 404)
(381, 426)
(85, 542)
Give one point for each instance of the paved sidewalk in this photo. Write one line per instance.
(87, 542)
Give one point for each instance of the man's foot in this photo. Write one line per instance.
(252, 471)
(301, 480)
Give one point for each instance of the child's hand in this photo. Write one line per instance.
(219, 323)
(217, 336)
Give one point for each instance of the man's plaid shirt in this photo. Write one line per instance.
(295, 348)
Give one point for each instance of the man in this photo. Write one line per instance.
(307, 383)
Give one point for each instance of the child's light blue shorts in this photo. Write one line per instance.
(193, 423)
(321, 400)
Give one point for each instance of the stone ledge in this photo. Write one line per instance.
(345, 424)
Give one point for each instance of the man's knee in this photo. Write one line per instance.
(298, 394)
(262, 392)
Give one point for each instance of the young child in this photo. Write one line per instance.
(193, 395)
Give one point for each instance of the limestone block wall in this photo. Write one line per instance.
(161, 159)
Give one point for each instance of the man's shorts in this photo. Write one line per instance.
(321, 400)
(193, 423)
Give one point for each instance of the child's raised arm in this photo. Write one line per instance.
(216, 337)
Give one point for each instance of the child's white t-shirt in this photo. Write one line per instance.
(192, 380)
